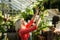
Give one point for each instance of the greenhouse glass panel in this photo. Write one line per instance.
(0, 1)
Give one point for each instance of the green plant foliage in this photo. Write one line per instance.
(43, 13)
(1, 20)
(0, 13)
(25, 15)
(42, 24)
(1, 29)
(29, 11)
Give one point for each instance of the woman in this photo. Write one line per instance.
(25, 28)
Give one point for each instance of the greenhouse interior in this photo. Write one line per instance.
(29, 19)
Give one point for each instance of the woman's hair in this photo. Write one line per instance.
(17, 24)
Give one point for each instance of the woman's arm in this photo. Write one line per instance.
(32, 20)
(27, 30)
(38, 21)
(30, 29)
(37, 11)
(29, 24)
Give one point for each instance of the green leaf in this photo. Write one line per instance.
(0, 13)
(1, 20)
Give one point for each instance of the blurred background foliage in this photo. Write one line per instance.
(28, 13)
